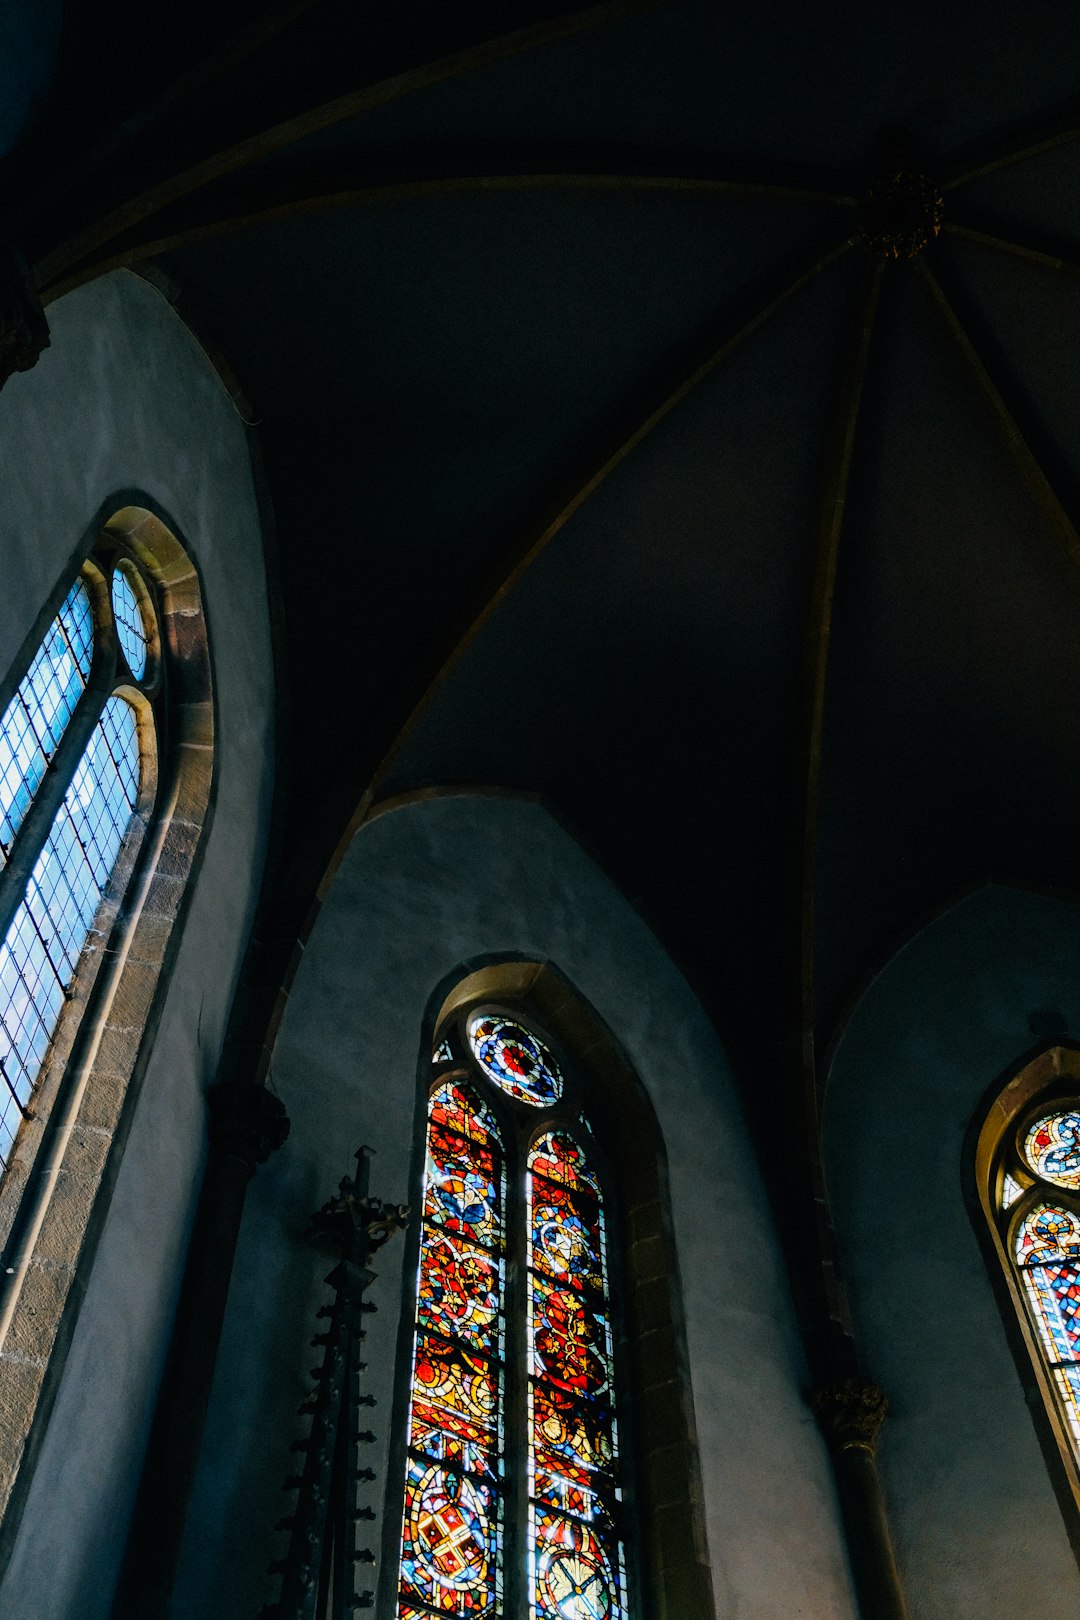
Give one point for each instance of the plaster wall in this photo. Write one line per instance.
(976, 1521)
(422, 891)
(125, 401)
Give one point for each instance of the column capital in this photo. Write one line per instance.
(247, 1122)
(851, 1412)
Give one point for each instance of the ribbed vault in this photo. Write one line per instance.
(609, 465)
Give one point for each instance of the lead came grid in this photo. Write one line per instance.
(130, 629)
(43, 945)
(451, 1546)
(37, 716)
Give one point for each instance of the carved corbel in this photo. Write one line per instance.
(246, 1123)
(851, 1413)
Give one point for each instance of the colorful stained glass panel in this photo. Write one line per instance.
(464, 1187)
(1052, 1147)
(572, 1570)
(1048, 1253)
(568, 1341)
(450, 1544)
(451, 1547)
(516, 1059)
(576, 1555)
(566, 1234)
(460, 1291)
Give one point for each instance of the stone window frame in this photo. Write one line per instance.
(661, 1466)
(1051, 1077)
(55, 1195)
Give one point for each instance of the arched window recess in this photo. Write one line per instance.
(106, 756)
(543, 1259)
(1027, 1169)
(79, 742)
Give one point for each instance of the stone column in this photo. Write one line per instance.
(247, 1124)
(851, 1412)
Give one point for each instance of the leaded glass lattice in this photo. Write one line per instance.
(46, 937)
(129, 615)
(34, 722)
(451, 1554)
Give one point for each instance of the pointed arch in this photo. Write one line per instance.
(106, 769)
(1027, 1169)
(530, 1109)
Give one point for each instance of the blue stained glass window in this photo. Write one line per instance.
(37, 716)
(129, 613)
(50, 928)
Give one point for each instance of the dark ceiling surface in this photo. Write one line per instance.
(29, 53)
(434, 375)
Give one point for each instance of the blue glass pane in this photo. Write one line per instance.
(41, 950)
(37, 716)
(130, 624)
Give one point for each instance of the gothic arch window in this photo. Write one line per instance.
(106, 759)
(515, 1499)
(1028, 1173)
(78, 746)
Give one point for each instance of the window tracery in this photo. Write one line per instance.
(514, 1500)
(106, 779)
(1028, 1165)
(71, 728)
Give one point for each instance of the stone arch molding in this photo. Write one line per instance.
(55, 1194)
(426, 893)
(962, 1005)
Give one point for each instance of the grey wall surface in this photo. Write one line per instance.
(125, 400)
(422, 890)
(975, 1518)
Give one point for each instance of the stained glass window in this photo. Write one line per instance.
(451, 1553)
(516, 1059)
(50, 896)
(542, 1475)
(37, 716)
(1048, 1255)
(576, 1560)
(1052, 1147)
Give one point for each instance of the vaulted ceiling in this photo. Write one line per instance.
(608, 464)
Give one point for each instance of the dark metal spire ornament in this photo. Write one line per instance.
(317, 1570)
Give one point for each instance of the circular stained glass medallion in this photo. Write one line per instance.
(1052, 1147)
(516, 1059)
(573, 1575)
(131, 609)
(450, 1534)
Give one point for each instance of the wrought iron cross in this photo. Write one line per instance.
(317, 1572)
